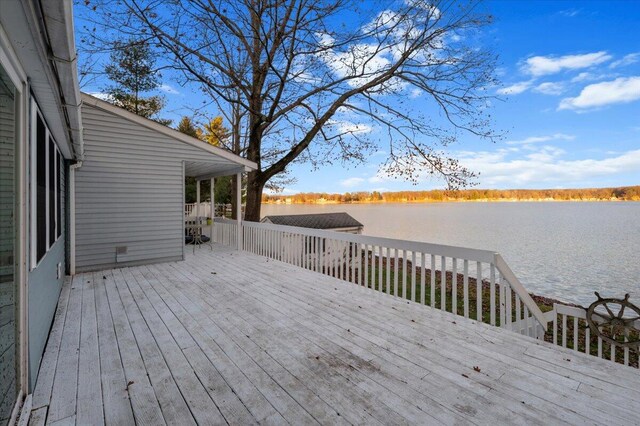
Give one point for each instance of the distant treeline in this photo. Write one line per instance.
(627, 193)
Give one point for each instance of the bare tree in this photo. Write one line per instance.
(319, 80)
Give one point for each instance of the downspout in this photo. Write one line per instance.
(72, 216)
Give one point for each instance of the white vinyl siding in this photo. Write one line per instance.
(129, 192)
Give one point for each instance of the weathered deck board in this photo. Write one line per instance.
(546, 388)
(448, 395)
(90, 404)
(226, 337)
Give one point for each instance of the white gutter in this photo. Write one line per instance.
(58, 20)
(72, 216)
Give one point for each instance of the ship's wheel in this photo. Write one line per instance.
(615, 321)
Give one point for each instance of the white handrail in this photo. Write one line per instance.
(446, 277)
(517, 286)
(472, 254)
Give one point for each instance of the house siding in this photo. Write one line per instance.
(129, 193)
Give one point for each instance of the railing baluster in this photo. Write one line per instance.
(413, 276)
(575, 333)
(501, 298)
(433, 281)
(599, 347)
(361, 264)
(626, 349)
(555, 325)
(338, 260)
(395, 273)
(613, 352)
(587, 341)
(509, 313)
(366, 265)
(454, 285)
(423, 274)
(352, 263)
(465, 284)
(405, 279)
(373, 267)
(321, 248)
(388, 256)
(380, 288)
(443, 283)
(492, 294)
(518, 313)
(564, 331)
(479, 291)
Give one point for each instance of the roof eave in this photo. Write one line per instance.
(169, 132)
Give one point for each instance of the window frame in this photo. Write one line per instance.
(51, 194)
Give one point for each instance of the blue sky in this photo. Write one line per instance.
(569, 104)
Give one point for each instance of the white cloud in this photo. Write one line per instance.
(284, 191)
(549, 88)
(102, 96)
(569, 13)
(343, 127)
(629, 59)
(353, 128)
(620, 90)
(352, 182)
(583, 76)
(415, 93)
(538, 139)
(168, 89)
(515, 89)
(544, 167)
(544, 65)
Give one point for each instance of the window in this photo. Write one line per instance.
(41, 189)
(59, 164)
(46, 188)
(51, 187)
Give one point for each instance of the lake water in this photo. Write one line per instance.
(562, 250)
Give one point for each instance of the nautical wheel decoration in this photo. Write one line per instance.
(614, 320)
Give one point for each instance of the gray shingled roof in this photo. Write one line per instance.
(316, 221)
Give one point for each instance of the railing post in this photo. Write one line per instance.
(239, 211)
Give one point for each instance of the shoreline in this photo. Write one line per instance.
(492, 200)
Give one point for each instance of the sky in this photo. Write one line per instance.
(569, 104)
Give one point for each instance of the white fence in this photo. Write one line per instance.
(472, 283)
(570, 330)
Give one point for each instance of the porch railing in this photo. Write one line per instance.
(473, 283)
(569, 329)
(204, 209)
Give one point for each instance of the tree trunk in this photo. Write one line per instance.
(254, 198)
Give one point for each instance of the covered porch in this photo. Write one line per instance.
(229, 337)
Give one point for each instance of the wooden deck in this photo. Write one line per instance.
(229, 337)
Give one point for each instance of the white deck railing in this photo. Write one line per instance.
(570, 330)
(472, 283)
(204, 209)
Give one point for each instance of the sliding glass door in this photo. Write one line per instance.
(9, 379)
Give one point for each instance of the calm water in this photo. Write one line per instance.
(561, 250)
